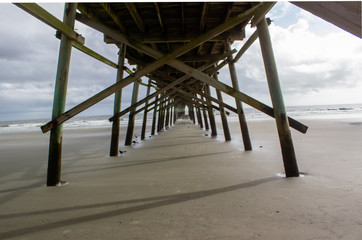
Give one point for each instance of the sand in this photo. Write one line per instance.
(183, 184)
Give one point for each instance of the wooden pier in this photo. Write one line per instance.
(179, 47)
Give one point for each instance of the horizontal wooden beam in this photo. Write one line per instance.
(177, 37)
(44, 16)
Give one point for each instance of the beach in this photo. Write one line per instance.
(184, 184)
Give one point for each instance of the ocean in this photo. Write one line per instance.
(342, 111)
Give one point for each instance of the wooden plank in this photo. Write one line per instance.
(159, 16)
(136, 16)
(113, 15)
(203, 16)
(44, 16)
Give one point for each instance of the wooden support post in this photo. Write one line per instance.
(132, 116)
(117, 103)
(175, 113)
(285, 138)
(211, 112)
(60, 93)
(205, 117)
(224, 120)
(167, 115)
(153, 128)
(239, 106)
(159, 118)
(144, 123)
(199, 113)
(199, 121)
(171, 112)
(192, 113)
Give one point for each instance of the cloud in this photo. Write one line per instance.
(307, 62)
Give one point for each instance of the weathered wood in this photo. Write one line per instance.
(203, 16)
(199, 120)
(211, 113)
(60, 93)
(44, 16)
(159, 16)
(153, 128)
(171, 111)
(132, 9)
(224, 120)
(113, 15)
(117, 103)
(239, 105)
(167, 114)
(131, 118)
(285, 138)
(144, 122)
(206, 122)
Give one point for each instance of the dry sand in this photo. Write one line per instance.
(183, 184)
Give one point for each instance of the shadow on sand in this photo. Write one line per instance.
(149, 203)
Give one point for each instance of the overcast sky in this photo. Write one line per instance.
(317, 62)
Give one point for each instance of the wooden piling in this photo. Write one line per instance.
(61, 83)
(192, 113)
(159, 123)
(199, 116)
(144, 122)
(153, 128)
(117, 103)
(199, 121)
(167, 115)
(206, 121)
(211, 112)
(239, 105)
(171, 113)
(285, 138)
(132, 117)
(224, 120)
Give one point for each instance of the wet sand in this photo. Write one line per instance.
(183, 184)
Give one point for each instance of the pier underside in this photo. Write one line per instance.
(179, 47)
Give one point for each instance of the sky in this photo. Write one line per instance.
(318, 64)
